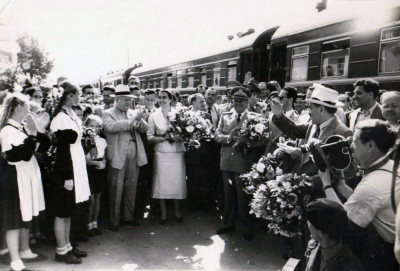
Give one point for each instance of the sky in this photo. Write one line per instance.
(89, 38)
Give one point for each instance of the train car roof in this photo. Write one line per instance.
(219, 47)
(370, 13)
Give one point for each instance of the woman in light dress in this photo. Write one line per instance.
(169, 174)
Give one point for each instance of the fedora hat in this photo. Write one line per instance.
(123, 90)
(324, 96)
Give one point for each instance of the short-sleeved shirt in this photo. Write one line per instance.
(371, 202)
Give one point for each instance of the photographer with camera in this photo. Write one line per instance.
(371, 202)
(323, 124)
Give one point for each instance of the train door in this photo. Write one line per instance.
(278, 63)
(245, 67)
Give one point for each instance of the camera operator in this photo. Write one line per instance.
(371, 202)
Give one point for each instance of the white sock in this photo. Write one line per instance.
(90, 226)
(62, 250)
(69, 247)
(17, 265)
(94, 223)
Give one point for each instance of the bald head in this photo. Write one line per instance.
(210, 96)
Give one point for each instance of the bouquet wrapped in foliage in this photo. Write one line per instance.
(278, 198)
(189, 128)
(266, 169)
(254, 129)
(88, 140)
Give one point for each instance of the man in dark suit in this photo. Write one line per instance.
(198, 164)
(324, 123)
(366, 92)
(234, 163)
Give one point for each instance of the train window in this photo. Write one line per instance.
(169, 81)
(216, 74)
(162, 82)
(299, 63)
(389, 60)
(179, 78)
(335, 58)
(231, 70)
(203, 73)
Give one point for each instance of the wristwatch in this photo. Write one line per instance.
(327, 187)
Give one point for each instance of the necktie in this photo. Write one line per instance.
(238, 118)
(209, 110)
(317, 131)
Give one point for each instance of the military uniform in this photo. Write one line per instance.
(233, 164)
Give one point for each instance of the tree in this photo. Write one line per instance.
(33, 59)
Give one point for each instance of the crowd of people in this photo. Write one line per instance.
(61, 150)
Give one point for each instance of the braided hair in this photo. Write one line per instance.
(69, 88)
(10, 103)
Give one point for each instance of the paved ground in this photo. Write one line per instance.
(174, 246)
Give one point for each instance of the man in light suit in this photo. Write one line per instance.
(125, 154)
(234, 163)
(324, 123)
(366, 92)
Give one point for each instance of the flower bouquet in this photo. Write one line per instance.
(278, 198)
(253, 129)
(88, 140)
(188, 128)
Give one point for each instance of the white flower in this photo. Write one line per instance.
(179, 129)
(260, 167)
(171, 116)
(278, 171)
(259, 128)
(198, 126)
(189, 129)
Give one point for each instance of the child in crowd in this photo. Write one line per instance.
(96, 167)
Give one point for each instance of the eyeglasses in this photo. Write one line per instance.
(89, 93)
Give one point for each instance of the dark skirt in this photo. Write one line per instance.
(97, 179)
(10, 211)
(64, 200)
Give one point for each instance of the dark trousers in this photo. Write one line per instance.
(236, 202)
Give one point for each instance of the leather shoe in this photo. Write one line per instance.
(79, 253)
(68, 258)
(90, 233)
(97, 231)
(248, 236)
(135, 223)
(82, 238)
(223, 230)
(114, 228)
(179, 219)
(163, 221)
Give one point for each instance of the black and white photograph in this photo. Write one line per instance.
(200, 135)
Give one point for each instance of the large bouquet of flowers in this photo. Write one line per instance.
(189, 128)
(253, 129)
(278, 198)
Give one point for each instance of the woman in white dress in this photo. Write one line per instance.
(169, 173)
(21, 191)
(71, 179)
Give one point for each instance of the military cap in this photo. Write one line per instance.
(240, 93)
(301, 96)
(109, 86)
(252, 85)
(232, 83)
(328, 216)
